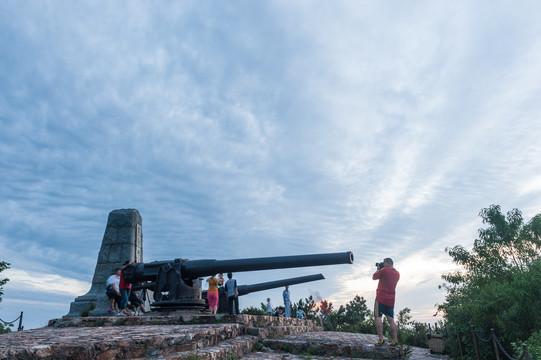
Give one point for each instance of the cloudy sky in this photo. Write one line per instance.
(248, 129)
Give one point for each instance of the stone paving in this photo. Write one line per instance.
(334, 344)
(334, 341)
(174, 337)
(121, 342)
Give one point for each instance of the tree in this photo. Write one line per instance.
(354, 317)
(325, 307)
(506, 244)
(499, 285)
(308, 305)
(411, 332)
(3, 266)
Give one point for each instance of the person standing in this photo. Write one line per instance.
(212, 294)
(125, 289)
(287, 302)
(232, 294)
(388, 277)
(221, 280)
(269, 307)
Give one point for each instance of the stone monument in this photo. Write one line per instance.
(122, 241)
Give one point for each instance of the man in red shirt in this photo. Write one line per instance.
(125, 289)
(388, 277)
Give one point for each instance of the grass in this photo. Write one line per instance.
(91, 307)
(97, 323)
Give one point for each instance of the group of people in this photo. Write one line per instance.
(232, 295)
(119, 292)
(286, 296)
(230, 289)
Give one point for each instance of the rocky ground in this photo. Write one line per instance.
(188, 337)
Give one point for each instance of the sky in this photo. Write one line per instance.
(249, 129)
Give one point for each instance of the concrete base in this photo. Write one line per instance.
(122, 241)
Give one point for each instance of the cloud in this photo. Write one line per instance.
(45, 283)
(265, 129)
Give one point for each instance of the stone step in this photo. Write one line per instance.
(147, 337)
(333, 344)
(286, 356)
(179, 318)
(279, 331)
(229, 349)
(120, 342)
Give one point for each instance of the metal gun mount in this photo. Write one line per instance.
(177, 283)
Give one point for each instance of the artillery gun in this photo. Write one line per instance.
(177, 283)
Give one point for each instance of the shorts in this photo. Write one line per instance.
(213, 299)
(111, 294)
(380, 309)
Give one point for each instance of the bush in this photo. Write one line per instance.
(498, 287)
(86, 312)
(5, 328)
(252, 310)
(533, 345)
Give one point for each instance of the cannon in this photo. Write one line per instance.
(248, 289)
(177, 283)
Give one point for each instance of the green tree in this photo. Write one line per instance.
(3, 266)
(308, 305)
(354, 317)
(410, 331)
(253, 310)
(498, 287)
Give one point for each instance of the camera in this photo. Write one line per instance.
(379, 265)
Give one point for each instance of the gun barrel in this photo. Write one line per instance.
(193, 269)
(247, 289)
(205, 267)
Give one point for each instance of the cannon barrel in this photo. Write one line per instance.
(193, 269)
(247, 289)
(197, 268)
(176, 283)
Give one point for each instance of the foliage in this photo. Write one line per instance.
(533, 344)
(308, 305)
(325, 307)
(252, 310)
(410, 331)
(4, 328)
(499, 286)
(3, 266)
(354, 317)
(87, 311)
(408, 351)
(258, 347)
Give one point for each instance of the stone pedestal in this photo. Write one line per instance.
(122, 241)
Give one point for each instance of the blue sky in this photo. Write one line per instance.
(247, 129)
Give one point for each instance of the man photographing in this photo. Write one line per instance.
(388, 277)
